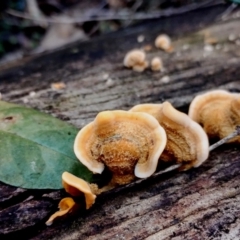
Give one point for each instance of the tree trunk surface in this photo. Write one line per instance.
(202, 203)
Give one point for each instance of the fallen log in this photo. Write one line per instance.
(201, 203)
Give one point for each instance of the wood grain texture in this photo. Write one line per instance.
(202, 203)
(194, 204)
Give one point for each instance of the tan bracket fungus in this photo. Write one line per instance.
(163, 41)
(187, 143)
(128, 143)
(76, 187)
(218, 111)
(65, 206)
(157, 64)
(136, 59)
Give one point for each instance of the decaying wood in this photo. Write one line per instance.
(199, 204)
(202, 203)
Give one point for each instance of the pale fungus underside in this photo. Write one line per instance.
(218, 112)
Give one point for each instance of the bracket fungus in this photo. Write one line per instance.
(76, 187)
(153, 109)
(218, 111)
(136, 59)
(163, 41)
(187, 143)
(129, 144)
(157, 64)
(65, 206)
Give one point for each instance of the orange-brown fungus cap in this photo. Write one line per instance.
(65, 206)
(128, 143)
(187, 143)
(218, 112)
(77, 186)
(164, 42)
(136, 59)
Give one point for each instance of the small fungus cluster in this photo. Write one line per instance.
(131, 144)
(136, 59)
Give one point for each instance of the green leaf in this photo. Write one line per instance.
(36, 148)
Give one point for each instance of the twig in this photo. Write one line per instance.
(176, 166)
(35, 12)
(138, 181)
(229, 10)
(226, 139)
(33, 9)
(112, 15)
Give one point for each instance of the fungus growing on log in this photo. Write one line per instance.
(156, 64)
(164, 42)
(218, 112)
(129, 144)
(136, 59)
(65, 206)
(76, 187)
(153, 109)
(187, 143)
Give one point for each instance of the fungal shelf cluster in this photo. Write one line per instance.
(131, 144)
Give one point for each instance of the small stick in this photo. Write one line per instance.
(136, 182)
(112, 15)
(226, 139)
(176, 166)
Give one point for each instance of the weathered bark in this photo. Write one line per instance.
(202, 203)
